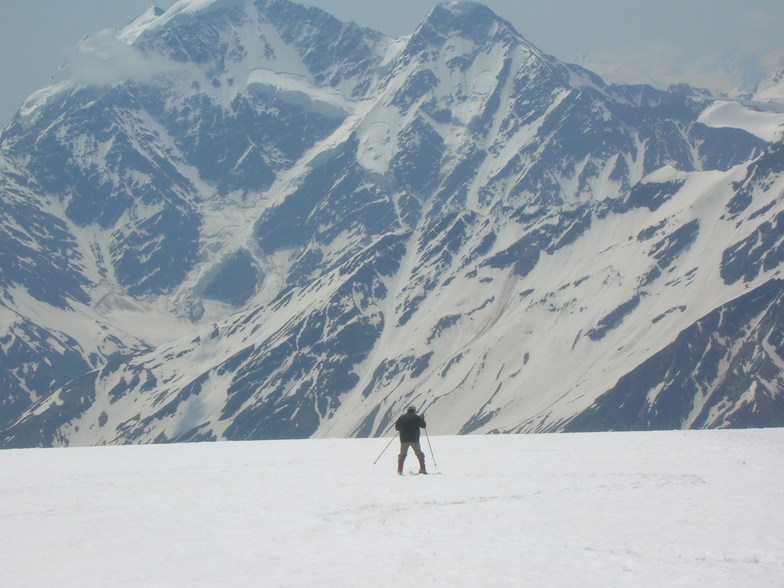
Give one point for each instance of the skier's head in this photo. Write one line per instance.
(411, 408)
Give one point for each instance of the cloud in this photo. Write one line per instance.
(103, 59)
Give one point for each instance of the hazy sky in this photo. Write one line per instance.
(660, 39)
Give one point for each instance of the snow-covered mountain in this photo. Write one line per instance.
(771, 89)
(245, 219)
(731, 75)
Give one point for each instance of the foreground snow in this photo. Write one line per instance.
(671, 508)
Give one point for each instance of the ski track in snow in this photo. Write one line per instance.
(609, 509)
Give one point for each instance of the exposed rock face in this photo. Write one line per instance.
(244, 220)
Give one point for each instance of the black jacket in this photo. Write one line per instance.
(409, 425)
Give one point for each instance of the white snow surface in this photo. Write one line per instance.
(768, 126)
(685, 508)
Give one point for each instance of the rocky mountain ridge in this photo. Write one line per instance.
(246, 219)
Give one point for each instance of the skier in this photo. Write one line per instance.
(409, 425)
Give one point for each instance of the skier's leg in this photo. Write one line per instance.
(402, 457)
(420, 456)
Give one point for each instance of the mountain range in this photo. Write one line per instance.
(245, 219)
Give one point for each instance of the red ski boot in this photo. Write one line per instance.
(422, 464)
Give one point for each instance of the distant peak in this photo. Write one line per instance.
(134, 28)
(469, 20)
(151, 13)
(464, 8)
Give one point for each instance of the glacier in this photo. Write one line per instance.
(592, 509)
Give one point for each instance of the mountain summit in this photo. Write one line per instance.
(469, 20)
(247, 220)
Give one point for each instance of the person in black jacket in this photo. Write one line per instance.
(409, 425)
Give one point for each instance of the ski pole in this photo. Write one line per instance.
(385, 448)
(388, 444)
(435, 465)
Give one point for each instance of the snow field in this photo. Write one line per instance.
(768, 126)
(607, 509)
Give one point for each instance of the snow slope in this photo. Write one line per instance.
(696, 508)
(248, 220)
(766, 125)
